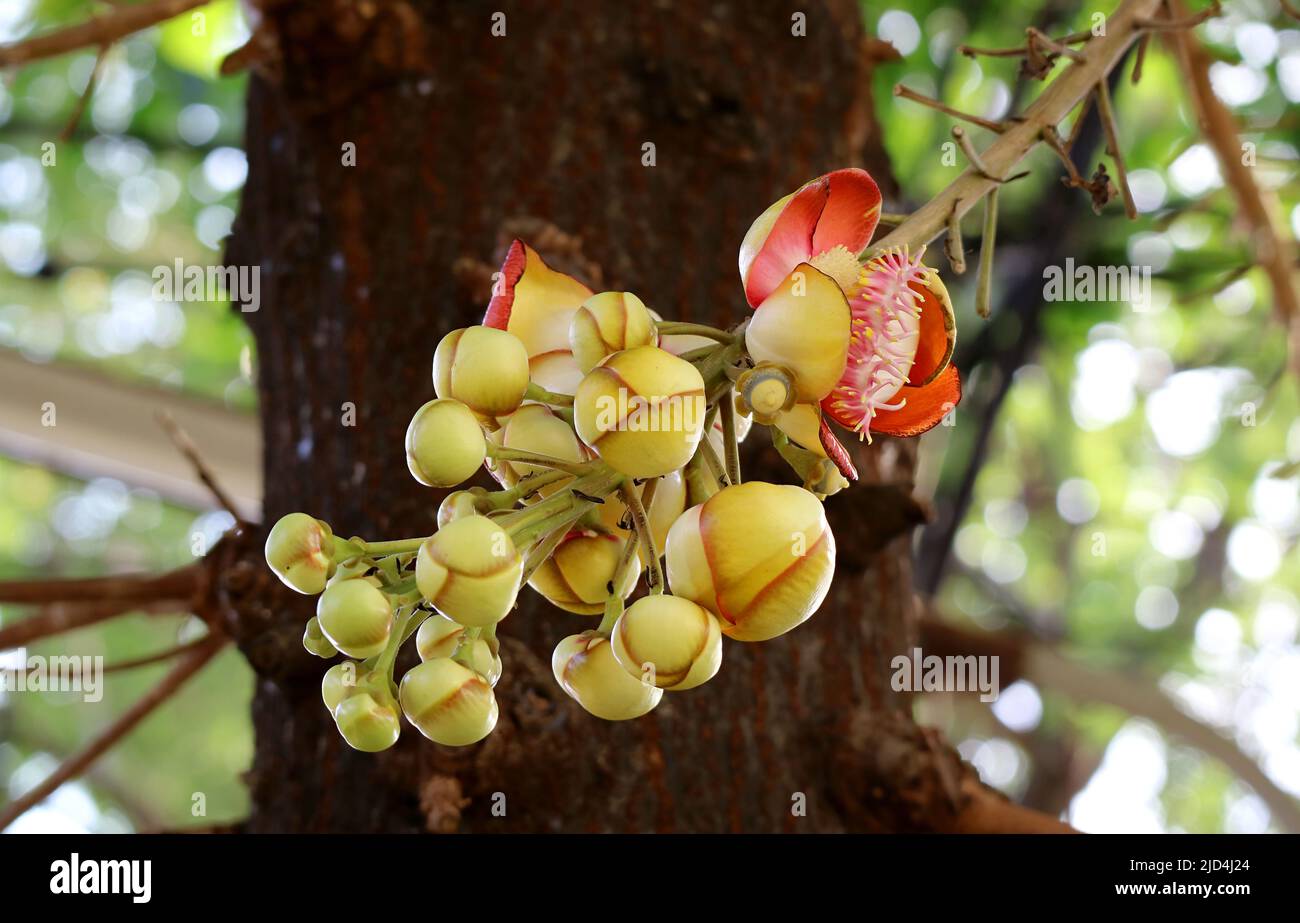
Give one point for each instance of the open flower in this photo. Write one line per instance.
(897, 378)
(536, 303)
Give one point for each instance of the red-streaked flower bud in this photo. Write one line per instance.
(585, 668)
(759, 556)
(577, 575)
(471, 571)
(366, 724)
(608, 323)
(314, 640)
(484, 368)
(642, 411)
(536, 428)
(449, 703)
(669, 642)
(298, 550)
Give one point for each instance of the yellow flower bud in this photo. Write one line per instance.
(484, 368)
(668, 503)
(449, 704)
(804, 326)
(669, 642)
(759, 556)
(444, 444)
(339, 682)
(458, 503)
(438, 636)
(470, 570)
(314, 640)
(577, 575)
(585, 668)
(367, 725)
(608, 323)
(298, 550)
(536, 428)
(356, 617)
(641, 411)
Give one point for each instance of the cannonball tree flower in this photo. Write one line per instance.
(897, 378)
(536, 303)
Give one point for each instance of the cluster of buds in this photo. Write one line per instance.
(613, 436)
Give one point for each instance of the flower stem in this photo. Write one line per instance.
(729, 442)
(677, 328)
(536, 392)
(397, 546)
(645, 535)
(501, 453)
(614, 603)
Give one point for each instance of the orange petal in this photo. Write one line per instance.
(838, 209)
(938, 331)
(926, 406)
(534, 302)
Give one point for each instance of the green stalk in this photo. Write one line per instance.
(501, 453)
(614, 604)
(677, 328)
(536, 392)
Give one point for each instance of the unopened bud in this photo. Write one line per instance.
(444, 444)
(298, 550)
(356, 617)
(482, 367)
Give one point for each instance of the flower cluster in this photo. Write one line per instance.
(613, 436)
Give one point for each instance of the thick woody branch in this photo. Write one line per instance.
(59, 618)
(1273, 250)
(79, 762)
(182, 583)
(100, 31)
(1073, 85)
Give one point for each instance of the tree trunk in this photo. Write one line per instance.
(464, 139)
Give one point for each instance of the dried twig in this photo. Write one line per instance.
(58, 618)
(181, 583)
(1074, 38)
(1107, 115)
(952, 245)
(907, 93)
(1182, 22)
(185, 445)
(1274, 251)
(169, 653)
(1143, 42)
(78, 762)
(80, 108)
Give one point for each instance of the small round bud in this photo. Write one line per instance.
(669, 642)
(314, 640)
(438, 636)
(298, 550)
(536, 428)
(367, 725)
(484, 368)
(444, 444)
(642, 411)
(608, 323)
(577, 575)
(459, 503)
(758, 556)
(449, 703)
(585, 668)
(339, 682)
(356, 617)
(804, 326)
(471, 571)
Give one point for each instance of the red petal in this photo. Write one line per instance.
(925, 406)
(503, 291)
(938, 335)
(836, 452)
(787, 244)
(851, 212)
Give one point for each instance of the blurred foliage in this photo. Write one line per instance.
(1139, 504)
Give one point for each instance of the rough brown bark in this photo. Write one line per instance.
(463, 139)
